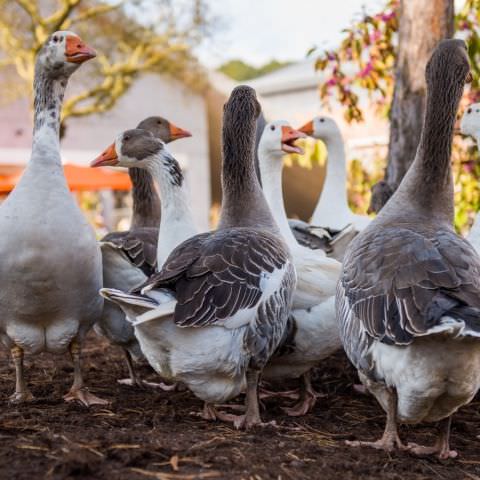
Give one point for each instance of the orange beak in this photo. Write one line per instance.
(289, 135)
(77, 51)
(108, 158)
(307, 128)
(176, 132)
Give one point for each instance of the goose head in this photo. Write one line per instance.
(322, 128)
(63, 53)
(470, 121)
(161, 128)
(139, 148)
(278, 138)
(448, 67)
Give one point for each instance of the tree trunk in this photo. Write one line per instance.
(423, 23)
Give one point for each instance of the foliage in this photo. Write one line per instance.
(130, 36)
(240, 71)
(364, 62)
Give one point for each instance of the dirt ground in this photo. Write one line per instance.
(151, 434)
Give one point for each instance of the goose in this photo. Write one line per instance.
(129, 257)
(470, 125)
(332, 208)
(146, 204)
(408, 299)
(315, 329)
(51, 269)
(217, 310)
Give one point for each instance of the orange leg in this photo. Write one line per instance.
(22, 393)
(79, 392)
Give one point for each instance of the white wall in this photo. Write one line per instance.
(150, 95)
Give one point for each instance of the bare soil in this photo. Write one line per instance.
(150, 434)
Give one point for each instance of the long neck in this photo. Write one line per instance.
(146, 202)
(176, 224)
(271, 166)
(334, 191)
(47, 105)
(243, 203)
(428, 186)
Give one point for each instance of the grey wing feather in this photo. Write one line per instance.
(397, 284)
(215, 275)
(140, 246)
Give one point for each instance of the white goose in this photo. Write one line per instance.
(470, 125)
(129, 257)
(221, 300)
(332, 209)
(316, 333)
(51, 267)
(408, 299)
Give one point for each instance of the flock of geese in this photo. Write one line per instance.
(218, 312)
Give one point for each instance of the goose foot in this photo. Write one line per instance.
(251, 417)
(307, 398)
(245, 421)
(83, 396)
(442, 445)
(21, 397)
(390, 440)
(387, 443)
(78, 391)
(263, 393)
(443, 453)
(143, 384)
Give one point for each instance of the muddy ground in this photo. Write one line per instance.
(151, 434)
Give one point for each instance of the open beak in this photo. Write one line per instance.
(289, 136)
(176, 132)
(108, 158)
(307, 128)
(77, 51)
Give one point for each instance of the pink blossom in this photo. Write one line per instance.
(387, 16)
(376, 35)
(366, 71)
(331, 82)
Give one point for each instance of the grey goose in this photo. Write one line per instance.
(217, 310)
(129, 257)
(51, 269)
(408, 299)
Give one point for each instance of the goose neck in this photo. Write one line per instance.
(243, 203)
(48, 99)
(271, 168)
(428, 184)
(176, 220)
(334, 191)
(146, 202)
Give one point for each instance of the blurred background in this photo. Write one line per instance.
(360, 62)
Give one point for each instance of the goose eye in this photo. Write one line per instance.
(159, 122)
(272, 128)
(55, 39)
(469, 110)
(322, 120)
(126, 138)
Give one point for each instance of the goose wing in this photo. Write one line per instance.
(220, 278)
(140, 246)
(398, 284)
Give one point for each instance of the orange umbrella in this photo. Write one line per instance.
(78, 178)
